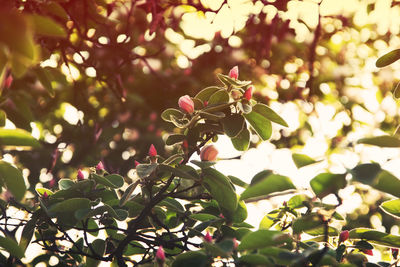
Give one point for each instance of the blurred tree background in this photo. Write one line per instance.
(89, 79)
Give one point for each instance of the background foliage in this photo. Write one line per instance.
(87, 81)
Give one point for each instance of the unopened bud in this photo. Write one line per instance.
(368, 252)
(208, 238)
(186, 104)
(248, 93)
(234, 73)
(136, 163)
(152, 151)
(395, 252)
(100, 166)
(80, 175)
(235, 243)
(45, 195)
(8, 81)
(344, 235)
(208, 153)
(160, 255)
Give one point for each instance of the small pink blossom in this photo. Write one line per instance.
(208, 153)
(186, 104)
(80, 175)
(136, 163)
(8, 81)
(248, 93)
(152, 151)
(160, 255)
(208, 238)
(234, 73)
(344, 235)
(100, 166)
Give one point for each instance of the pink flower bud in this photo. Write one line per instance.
(185, 144)
(344, 235)
(235, 243)
(208, 153)
(205, 103)
(368, 252)
(208, 238)
(221, 216)
(136, 163)
(160, 255)
(100, 166)
(80, 175)
(52, 182)
(248, 93)
(45, 195)
(8, 81)
(152, 151)
(186, 104)
(234, 73)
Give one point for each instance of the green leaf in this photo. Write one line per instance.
(241, 142)
(144, 170)
(240, 213)
(376, 237)
(271, 184)
(65, 184)
(366, 173)
(297, 201)
(305, 223)
(237, 181)
(225, 79)
(396, 92)
(321, 231)
(262, 175)
(166, 115)
(177, 172)
(203, 217)
(363, 245)
(41, 191)
(128, 192)
(388, 58)
(233, 124)
(174, 138)
(47, 27)
(116, 180)
(381, 141)
(268, 113)
(260, 124)
(391, 207)
(263, 238)
(327, 183)
(302, 160)
(44, 79)
(17, 137)
(203, 164)
(99, 247)
(28, 230)
(388, 183)
(272, 218)
(220, 189)
(13, 180)
(11, 247)
(255, 259)
(70, 205)
(219, 97)
(216, 116)
(205, 94)
(191, 258)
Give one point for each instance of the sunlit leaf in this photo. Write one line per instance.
(13, 180)
(233, 125)
(388, 58)
(381, 141)
(11, 247)
(375, 237)
(17, 137)
(47, 27)
(260, 124)
(392, 207)
(270, 114)
(302, 160)
(263, 238)
(327, 183)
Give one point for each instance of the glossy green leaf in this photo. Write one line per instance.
(216, 116)
(270, 114)
(219, 97)
(237, 181)
(255, 259)
(362, 244)
(241, 213)
(203, 164)
(28, 230)
(272, 218)
(144, 170)
(306, 223)
(302, 160)
(261, 125)
(47, 27)
(41, 191)
(281, 256)
(233, 124)
(166, 115)
(271, 184)
(12, 178)
(116, 180)
(70, 205)
(17, 137)
(262, 175)
(45, 80)
(11, 247)
(225, 79)
(321, 231)
(220, 189)
(297, 201)
(65, 184)
(242, 141)
(388, 58)
(191, 258)
(203, 217)
(263, 238)
(391, 207)
(128, 192)
(327, 183)
(381, 141)
(388, 183)
(366, 173)
(174, 138)
(98, 247)
(177, 172)
(205, 94)
(376, 237)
